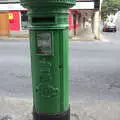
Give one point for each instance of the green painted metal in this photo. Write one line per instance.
(48, 22)
(34, 4)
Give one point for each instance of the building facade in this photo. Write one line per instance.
(10, 16)
(13, 17)
(82, 13)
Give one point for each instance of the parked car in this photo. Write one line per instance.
(109, 27)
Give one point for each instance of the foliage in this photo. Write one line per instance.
(108, 7)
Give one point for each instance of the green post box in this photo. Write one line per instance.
(48, 27)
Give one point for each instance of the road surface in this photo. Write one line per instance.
(94, 75)
(94, 69)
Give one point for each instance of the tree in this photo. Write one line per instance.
(108, 7)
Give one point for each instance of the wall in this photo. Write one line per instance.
(14, 20)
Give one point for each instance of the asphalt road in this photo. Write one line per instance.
(95, 69)
(94, 72)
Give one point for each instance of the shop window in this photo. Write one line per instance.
(24, 20)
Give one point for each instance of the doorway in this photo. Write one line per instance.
(4, 24)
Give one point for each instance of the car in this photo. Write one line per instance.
(109, 27)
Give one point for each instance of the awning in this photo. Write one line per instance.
(83, 5)
(10, 7)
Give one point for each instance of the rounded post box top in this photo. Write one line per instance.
(47, 3)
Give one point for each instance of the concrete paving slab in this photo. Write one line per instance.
(21, 109)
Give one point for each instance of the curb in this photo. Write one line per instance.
(13, 38)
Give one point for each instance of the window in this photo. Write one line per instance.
(24, 20)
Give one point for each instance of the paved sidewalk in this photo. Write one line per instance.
(85, 34)
(21, 109)
(13, 38)
(103, 38)
(81, 37)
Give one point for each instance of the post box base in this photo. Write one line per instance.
(59, 116)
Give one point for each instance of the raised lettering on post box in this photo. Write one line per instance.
(44, 42)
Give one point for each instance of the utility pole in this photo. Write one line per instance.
(97, 18)
(48, 27)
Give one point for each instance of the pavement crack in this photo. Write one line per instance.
(114, 85)
(75, 116)
(6, 118)
(91, 117)
(21, 76)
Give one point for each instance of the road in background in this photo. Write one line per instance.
(94, 69)
(15, 75)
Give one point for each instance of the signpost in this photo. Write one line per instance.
(48, 29)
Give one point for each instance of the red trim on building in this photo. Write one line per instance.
(70, 19)
(14, 20)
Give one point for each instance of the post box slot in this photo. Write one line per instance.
(43, 19)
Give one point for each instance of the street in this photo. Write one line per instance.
(94, 71)
(15, 69)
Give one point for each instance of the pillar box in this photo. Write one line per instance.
(48, 28)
